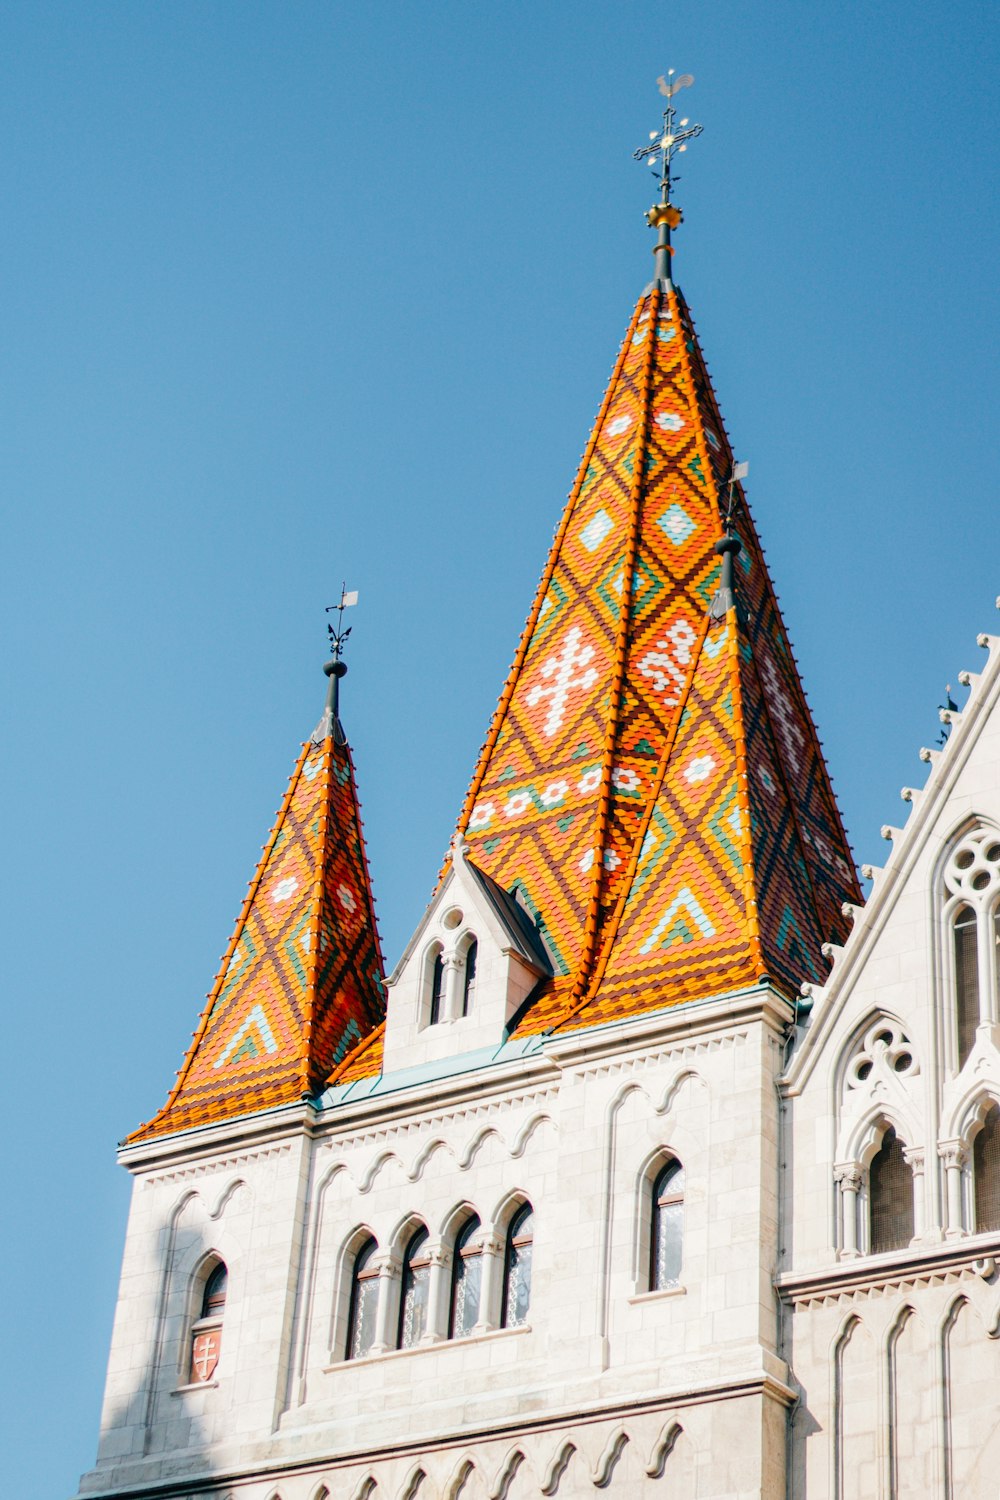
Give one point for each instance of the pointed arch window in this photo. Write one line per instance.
(890, 1194)
(437, 989)
(414, 1290)
(986, 1172)
(469, 978)
(517, 1268)
(466, 1280)
(964, 937)
(362, 1317)
(972, 892)
(667, 1238)
(206, 1332)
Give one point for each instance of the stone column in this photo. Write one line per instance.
(454, 967)
(848, 1178)
(388, 1283)
(491, 1289)
(437, 1294)
(914, 1158)
(954, 1156)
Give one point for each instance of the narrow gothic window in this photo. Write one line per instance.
(890, 1188)
(667, 1227)
(996, 953)
(206, 1334)
(437, 988)
(517, 1269)
(966, 981)
(469, 987)
(986, 1172)
(466, 1280)
(364, 1302)
(413, 1292)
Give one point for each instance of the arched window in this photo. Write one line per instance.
(466, 1280)
(413, 1292)
(667, 1239)
(469, 983)
(206, 1331)
(890, 1195)
(364, 1302)
(517, 1269)
(966, 980)
(437, 988)
(986, 1172)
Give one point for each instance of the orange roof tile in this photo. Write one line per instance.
(301, 982)
(632, 741)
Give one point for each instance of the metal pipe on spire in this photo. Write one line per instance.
(665, 143)
(335, 669)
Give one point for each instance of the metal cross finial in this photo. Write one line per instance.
(339, 635)
(666, 143)
(663, 146)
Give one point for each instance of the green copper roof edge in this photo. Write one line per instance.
(430, 1072)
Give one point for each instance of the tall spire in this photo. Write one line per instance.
(652, 784)
(301, 982)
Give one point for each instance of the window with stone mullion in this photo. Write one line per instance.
(986, 1172)
(414, 1292)
(466, 1281)
(363, 1314)
(966, 980)
(890, 1186)
(517, 1269)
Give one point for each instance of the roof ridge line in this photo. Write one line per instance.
(770, 589)
(358, 1050)
(312, 969)
(652, 305)
(743, 794)
(779, 765)
(656, 787)
(213, 993)
(499, 713)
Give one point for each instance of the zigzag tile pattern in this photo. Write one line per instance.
(301, 983)
(561, 786)
(582, 798)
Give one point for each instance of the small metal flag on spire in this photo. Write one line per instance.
(664, 145)
(740, 472)
(338, 636)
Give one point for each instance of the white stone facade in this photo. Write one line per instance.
(788, 1360)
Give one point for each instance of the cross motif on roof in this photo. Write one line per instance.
(559, 669)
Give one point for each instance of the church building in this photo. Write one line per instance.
(662, 1163)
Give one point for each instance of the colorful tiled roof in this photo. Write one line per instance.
(301, 983)
(653, 788)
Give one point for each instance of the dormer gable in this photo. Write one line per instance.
(472, 962)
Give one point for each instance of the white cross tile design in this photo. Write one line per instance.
(558, 672)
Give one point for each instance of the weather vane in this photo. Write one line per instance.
(338, 635)
(664, 145)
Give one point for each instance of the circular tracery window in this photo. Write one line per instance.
(885, 1041)
(974, 867)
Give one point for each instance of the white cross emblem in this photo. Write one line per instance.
(559, 670)
(204, 1356)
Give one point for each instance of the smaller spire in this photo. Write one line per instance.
(664, 144)
(329, 725)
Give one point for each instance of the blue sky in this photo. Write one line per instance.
(300, 292)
